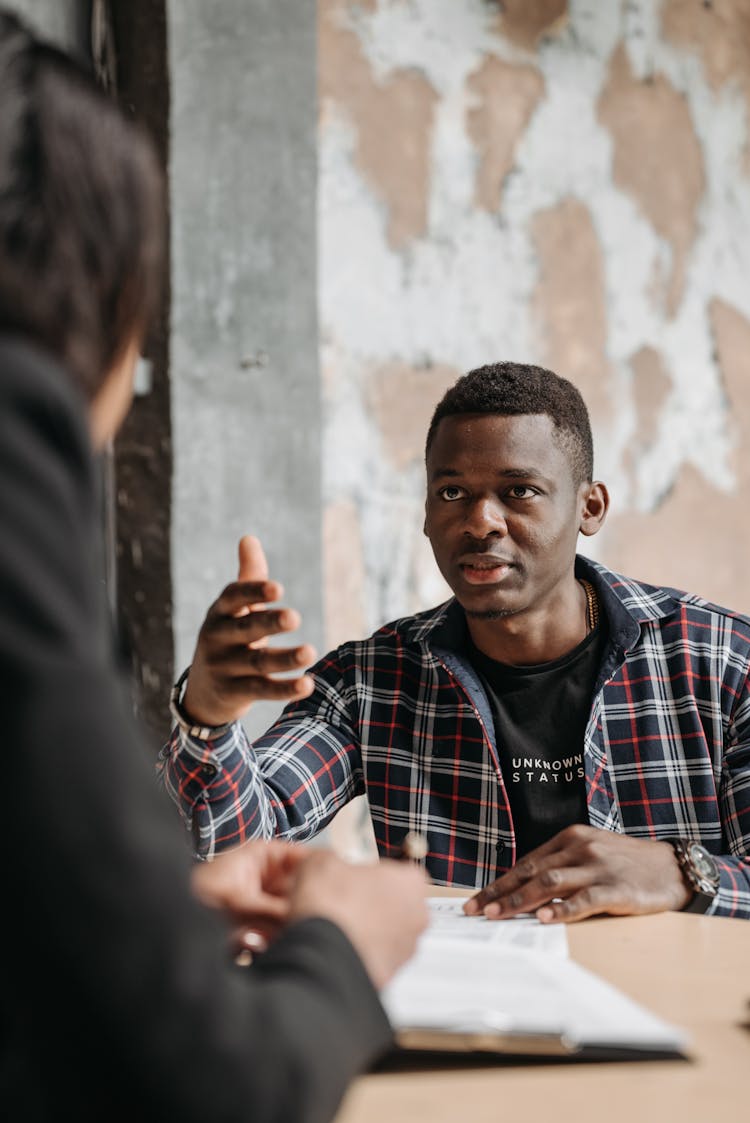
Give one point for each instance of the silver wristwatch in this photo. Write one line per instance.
(700, 872)
(183, 719)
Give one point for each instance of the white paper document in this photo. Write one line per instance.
(509, 986)
(524, 933)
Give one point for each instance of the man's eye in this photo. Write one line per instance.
(451, 493)
(521, 491)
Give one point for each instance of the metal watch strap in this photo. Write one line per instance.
(701, 901)
(183, 719)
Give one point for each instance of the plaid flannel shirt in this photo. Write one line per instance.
(402, 718)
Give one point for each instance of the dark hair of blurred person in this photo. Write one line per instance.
(81, 212)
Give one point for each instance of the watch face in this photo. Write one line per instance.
(705, 867)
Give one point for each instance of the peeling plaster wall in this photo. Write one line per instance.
(563, 183)
(556, 183)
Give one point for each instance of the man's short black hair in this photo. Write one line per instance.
(514, 389)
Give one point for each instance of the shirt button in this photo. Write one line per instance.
(208, 769)
(499, 846)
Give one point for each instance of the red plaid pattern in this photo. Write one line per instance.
(403, 718)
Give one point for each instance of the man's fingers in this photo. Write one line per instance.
(541, 867)
(241, 660)
(555, 881)
(591, 901)
(245, 595)
(479, 901)
(503, 886)
(554, 852)
(259, 687)
(233, 631)
(583, 872)
(234, 665)
(252, 560)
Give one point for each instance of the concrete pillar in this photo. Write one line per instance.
(244, 352)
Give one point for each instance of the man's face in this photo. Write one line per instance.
(503, 511)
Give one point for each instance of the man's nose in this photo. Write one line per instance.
(485, 516)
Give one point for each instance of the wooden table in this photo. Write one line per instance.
(693, 971)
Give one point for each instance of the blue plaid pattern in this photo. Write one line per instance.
(402, 718)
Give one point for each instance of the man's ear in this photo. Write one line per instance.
(594, 507)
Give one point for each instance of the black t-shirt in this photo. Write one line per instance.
(540, 714)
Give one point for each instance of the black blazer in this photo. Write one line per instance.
(118, 998)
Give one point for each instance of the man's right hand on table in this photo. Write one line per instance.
(233, 666)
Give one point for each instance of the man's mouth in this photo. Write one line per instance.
(484, 569)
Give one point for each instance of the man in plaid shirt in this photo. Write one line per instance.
(567, 741)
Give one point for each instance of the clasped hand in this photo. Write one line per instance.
(262, 886)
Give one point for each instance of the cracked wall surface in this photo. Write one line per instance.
(557, 182)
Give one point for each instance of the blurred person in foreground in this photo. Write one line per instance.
(120, 996)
